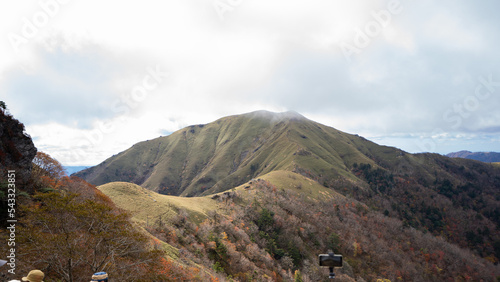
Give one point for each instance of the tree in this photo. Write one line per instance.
(44, 164)
(69, 237)
(333, 242)
(46, 171)
(297, 276)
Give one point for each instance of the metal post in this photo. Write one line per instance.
(332, 274)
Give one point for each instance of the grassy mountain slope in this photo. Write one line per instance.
(146, 205)
(204, 159)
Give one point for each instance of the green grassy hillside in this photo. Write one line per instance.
(209, 158)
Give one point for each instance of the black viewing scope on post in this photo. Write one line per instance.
(330, 260)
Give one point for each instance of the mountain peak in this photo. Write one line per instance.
(277, 116)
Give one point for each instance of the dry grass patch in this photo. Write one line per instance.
(147, 207)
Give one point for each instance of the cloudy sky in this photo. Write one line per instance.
(91, 78)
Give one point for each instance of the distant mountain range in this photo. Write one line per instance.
(487, 157)
(74, 169)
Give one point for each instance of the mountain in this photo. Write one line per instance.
(74, 169)
(487, 157)
(203, 159)
(453, 199)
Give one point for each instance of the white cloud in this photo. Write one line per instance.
(453, 33)
(80, 68)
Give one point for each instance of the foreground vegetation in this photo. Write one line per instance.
(69, 230)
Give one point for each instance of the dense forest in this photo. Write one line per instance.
(275, 233)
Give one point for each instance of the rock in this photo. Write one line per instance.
(16, 149)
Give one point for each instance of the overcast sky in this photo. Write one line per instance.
(91, 78)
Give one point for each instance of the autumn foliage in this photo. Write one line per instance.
(70, 230)
(273, 234)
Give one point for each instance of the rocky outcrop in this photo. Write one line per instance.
(16, 149)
